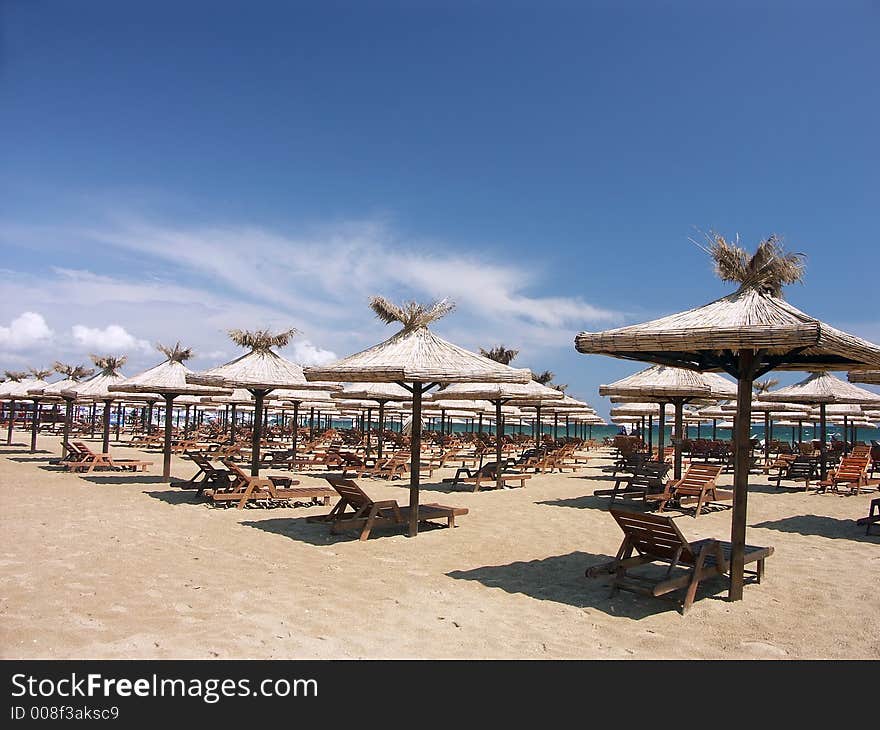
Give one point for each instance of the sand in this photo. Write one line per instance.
(123, 566)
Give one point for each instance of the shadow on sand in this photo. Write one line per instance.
(830, 527)
(122, 478)
(561, 579)
(176, 497)
(316, 533)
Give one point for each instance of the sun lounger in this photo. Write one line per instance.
(851, 473)
(649, 478)
(207, 477)
(697, 485)
(656, 538)
(271, 491)
(366, 514)
(92, 460)
(486, 476)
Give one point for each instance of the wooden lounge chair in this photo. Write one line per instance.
(851, 472)
(873, 516)
(207, 477)
(486, 476)
(366, 514)
(93, 460)
(271, 491)
(799, 468)
(656, 538)
(697, 485)
(649, 478)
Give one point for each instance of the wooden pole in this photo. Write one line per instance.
(232, 425)
(742, 452)
(166, 449)
(259, 395)
(537, 427)
(106, 435)
(498, 469)
(823, 466)
(68, 414)
(11, 421)
(415, 446)
(679, 433)
(381, 426)
(662, 436)
(35, 424)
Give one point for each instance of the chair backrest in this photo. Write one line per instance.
(653, 534)
(202, 461)
(84, 448)
(696, 478)
(851, 467)
(236, 470)
(350, 492)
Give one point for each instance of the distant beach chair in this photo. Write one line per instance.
(851, 473)
(697, 485)
(486, 476)
(270, 491)
(207, 476)
(92, 460)
(366, 514)
(656, 538)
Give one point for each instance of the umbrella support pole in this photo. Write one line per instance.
(166, 451)
(35, 424)
(415, 447)
(742, 452)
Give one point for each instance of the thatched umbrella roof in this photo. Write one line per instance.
(665, 384)
(415, 354)
(746, 334)
(98, 386)
(19, 386)
(871, 377)
(377, 392)
(745, 320)
(821, 387)
(168, 377)
(260, 371)
(417, 359)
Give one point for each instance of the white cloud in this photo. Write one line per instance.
(112, 339)
(25, 331)
(305, 353)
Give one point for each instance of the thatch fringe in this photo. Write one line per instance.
(262, 340)
(499, 353)
(73, 372)
(39, 374)
(410, 314)
(176, 353)
(109, 364)
(16, 376)
(767, 270)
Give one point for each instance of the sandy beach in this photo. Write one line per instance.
(122, 566)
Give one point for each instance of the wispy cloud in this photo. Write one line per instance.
(112, 338)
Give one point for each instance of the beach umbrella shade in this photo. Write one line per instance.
(500, 394)
(261, 370)
(663, 384)
(745, 334)
(823, 389)
(380, 393)
(418, 360)
(54, 392)
(15, 388)
(168, 380)
(871, 377)
(97, 389)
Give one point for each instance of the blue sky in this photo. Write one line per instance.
(174, 169)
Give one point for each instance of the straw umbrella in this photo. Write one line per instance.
(823, 389)
(97, 388)
(55, 391)
(864, 376)
(167, 379)
(381, 393)
(261, 370)
(745, 334)
(663, 384)
(35, 382)
(500, 394)
(416, 359)
(15, 388)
